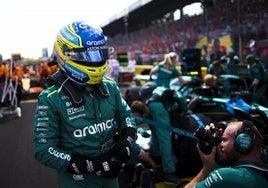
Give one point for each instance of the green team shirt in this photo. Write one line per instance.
(236, 176)
(165, 75)
(255, 72)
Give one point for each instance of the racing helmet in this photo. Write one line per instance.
(81, 52)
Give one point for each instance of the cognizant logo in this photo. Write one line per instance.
(93, 129)
(57, 154)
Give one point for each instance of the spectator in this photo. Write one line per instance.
(44, 71)
(114, 67)
(132, 63)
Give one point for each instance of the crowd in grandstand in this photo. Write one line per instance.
(175, 35)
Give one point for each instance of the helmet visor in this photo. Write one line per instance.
(88, 57)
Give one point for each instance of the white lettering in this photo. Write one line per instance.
(97, 48)
(43, 107)
(73, 110)
(43, 119)
(78, 116)
(85, 130)
(42, 140)
(128, 122)
(96, 43)
(57, 154)
(83, 25)
(106, 166)
(78, 177)
(76, 74)
(93, 129)
(42, 113)
(90, 167)
(77, 133)
(41, 124)
(166, 71)
(109, 124)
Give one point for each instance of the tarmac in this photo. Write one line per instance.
(19, 168)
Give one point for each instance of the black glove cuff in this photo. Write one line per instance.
(77, 165)
(100, 166)
(129, 132)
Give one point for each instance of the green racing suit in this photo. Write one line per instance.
(60, 130)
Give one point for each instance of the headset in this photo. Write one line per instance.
(244, 141)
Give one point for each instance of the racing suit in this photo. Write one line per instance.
(60, 130)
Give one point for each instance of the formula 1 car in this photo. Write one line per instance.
(206, 107)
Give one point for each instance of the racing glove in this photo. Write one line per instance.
(100, 166)
(122, 149)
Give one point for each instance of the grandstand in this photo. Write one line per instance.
(148, 27)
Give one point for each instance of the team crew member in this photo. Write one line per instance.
(259, 85)
(83, 127)
(166, 70)
(240, 154)
(161, 101)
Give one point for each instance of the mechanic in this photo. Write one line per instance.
(259, 81)
(161, 102)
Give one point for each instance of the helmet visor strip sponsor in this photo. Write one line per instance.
(96, 57)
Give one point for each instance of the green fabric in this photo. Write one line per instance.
(260, 92)
(255, 71)
(61, 129)
(179, 106)
(66, 180)
(234, 177)
(160, 137)
(134, 155)
(164, 75)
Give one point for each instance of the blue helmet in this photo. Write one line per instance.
(81, 52)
